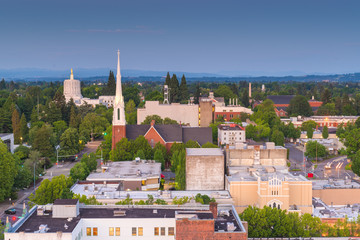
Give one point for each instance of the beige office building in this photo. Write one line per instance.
(258, 176)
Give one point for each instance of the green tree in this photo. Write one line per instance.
(69, 142)
(44, 141)
(8, 171)
(192, 144)
(305, 125)
(299, 106)
(209, 145)
(74, 118)
(24, 130)
(22, 152)
(326, 96)
(95, 123)
(123, 151)
(158, 157)
(277, 137)
(90, 161)
(245, 100)
(315, 149)
(79, 171)
(224, 91)
(156, 118)
(180, 173)
(53, 113)
(106, 145)
(154, 96)
(15, 119)
(141, 143)
(197, 94)
(59, 129)
(140, 154)
(325, 132)
(130, 112)
(309, 131)
(326, 110)
(176, 147)
(355, 166)
(174, 89)
(169, 121)
(162, 148)
(110, 88)
(184, 93)
(23, 178)
(49, 191)
(265, 114)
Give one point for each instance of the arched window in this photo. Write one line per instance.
(274, 205)
(118, 110)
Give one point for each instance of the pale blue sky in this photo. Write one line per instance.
(194, 36)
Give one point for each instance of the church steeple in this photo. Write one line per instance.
(119, 106)
(118, 96)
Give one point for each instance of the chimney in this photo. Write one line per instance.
(152, 123)
(312, 98)
(213, 209)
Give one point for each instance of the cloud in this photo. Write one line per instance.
(137, 29)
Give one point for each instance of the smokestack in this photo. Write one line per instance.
(213, 209)
(229, 101)
(249, 89)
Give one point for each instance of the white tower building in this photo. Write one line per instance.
(72, 89)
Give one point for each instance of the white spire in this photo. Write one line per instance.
(119, 105)
(118, 96)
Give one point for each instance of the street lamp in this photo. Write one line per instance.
(21, 139)
(57, 154)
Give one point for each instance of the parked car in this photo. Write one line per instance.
(10, 211)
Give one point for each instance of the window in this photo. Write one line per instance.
(88, 231)
(118, 113)
(140, 231)
(231, 116)
(171, 231)
(156, 231)
(134, 231)
(95, 231)
(162, 231)
(111, 231)
(117, 231)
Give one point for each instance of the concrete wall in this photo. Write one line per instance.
(245, 157)
(184, 113)
(205, 172)
(338, 196)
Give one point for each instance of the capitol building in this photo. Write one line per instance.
(72, 90)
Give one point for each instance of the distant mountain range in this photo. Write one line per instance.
(101, 74)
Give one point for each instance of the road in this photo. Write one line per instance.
(320, 172)
(56, 170)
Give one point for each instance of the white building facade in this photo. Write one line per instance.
(230, 134)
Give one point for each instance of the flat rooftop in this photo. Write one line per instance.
(231, 127)
(336, 184)
(226, 214)
(116, 171)
(251, 173)
(204, 152)
(5, 134)
(110, 191)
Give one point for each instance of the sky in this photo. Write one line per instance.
(226, 37)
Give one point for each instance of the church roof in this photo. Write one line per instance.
(172, 133)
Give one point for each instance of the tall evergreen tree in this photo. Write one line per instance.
(326, 96)
(73, 123)
(111, 85)
(245, 97)
(2, 84)
(197, 93)
(174, 89)
(15, 119)
(184, 93)
(60, 102)
(24, 130)
(167, 79)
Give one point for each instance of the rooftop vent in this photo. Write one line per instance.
(230, 226)
(155, 211)
(137, 159)
(66, 226)
(119, 213)
(224, 213)
(42, 229)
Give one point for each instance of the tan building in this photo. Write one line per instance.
(258, 175)
(249, 155)
(269, 186)
(193, 115)
(205, 169)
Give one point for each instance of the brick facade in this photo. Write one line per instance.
(203, 230)
(118, 132)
